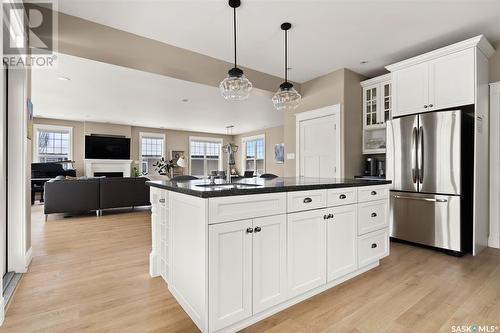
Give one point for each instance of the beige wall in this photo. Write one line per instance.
(495, 64)
(339, 87)
(176, 140)
(273, 135)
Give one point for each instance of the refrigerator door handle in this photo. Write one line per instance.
(420, 199)
(420, 155)
(414, 155)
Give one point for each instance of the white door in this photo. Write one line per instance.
(452, 81)
(341, 241)
(269, 262)
(319, 147)
(411, 90)
(3, 179)
(306, 251)
(230, 273)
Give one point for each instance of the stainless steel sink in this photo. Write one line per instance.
(232, 185)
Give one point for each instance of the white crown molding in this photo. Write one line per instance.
(376, 80)
(479, 41)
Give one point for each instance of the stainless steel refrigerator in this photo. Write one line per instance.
(426, 163)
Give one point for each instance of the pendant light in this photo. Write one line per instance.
(286, 98)
(235, 87)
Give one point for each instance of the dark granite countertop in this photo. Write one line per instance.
(258, 185)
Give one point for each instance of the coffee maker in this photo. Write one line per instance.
(371, 167)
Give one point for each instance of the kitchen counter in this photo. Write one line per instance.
(234, 254)
(201, 188)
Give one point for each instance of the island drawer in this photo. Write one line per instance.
(239, 207)
(373, 247)
(342, 196)
(372, 215)
(306, 200)
(370, 193)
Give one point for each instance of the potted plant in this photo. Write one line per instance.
(163, 167)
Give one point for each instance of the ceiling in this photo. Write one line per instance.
(102, 92)
(326, 35)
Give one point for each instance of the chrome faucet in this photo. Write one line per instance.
(230, 149)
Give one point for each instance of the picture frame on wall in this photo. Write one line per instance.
(279, 153)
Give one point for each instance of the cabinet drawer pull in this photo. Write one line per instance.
(249, 230)
(374, 214)
(374, 245)
(431, 105)
(162, 200)
(342, 196)
(374, 193)
(257, 229)
(425, 106)
(308, 200)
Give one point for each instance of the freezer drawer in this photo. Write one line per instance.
(426, 219)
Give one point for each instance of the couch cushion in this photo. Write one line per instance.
(117, 192)
(66, 196)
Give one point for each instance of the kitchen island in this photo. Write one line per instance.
(234, 254)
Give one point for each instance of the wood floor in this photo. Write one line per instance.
(90, 274)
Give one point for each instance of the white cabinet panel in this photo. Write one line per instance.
(371, 193)
(269, 262)
(342, 196)
(246, 206)
(306, 251)
(373, 247)
(452, 80)
(411, 89)
(306, 200)
(230, 272)
(342, 242)
(373, 216)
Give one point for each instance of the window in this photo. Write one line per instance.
(152, 148)
(254, 154)
(206, 156)
(52, 143)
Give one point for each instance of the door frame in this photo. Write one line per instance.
(330, 110)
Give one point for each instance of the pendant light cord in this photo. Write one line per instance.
(286, 55)
(234, 25)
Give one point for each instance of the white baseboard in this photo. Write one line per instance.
(153, 265)
(494, 241)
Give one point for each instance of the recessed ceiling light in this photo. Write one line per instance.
(363, 62)
(185, 100)
(64, 78)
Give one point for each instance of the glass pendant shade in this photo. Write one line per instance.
(236, 86)
(286, 98)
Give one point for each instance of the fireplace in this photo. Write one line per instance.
(108, 168)
(108, 174)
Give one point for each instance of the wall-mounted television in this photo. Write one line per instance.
(107, 147)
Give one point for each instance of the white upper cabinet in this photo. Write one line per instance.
(441, 79)
(452, 80)
(377, 101)
(411, 89)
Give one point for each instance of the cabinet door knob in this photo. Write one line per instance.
(425, 106)
(308, 200)
(249, 230)
(374, 245)
(257, 229)
(374, 214)
(374, 193)
(162, 200)
(325, 217)
(342, 196)
(431, 105)
(331, 216)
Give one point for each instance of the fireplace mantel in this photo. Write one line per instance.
(102, 165)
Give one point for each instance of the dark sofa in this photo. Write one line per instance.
(71, 196)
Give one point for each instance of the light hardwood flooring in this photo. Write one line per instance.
(90, 274)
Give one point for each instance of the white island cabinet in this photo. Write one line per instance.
(232, 260)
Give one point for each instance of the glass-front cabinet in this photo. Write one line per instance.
(377, 109)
